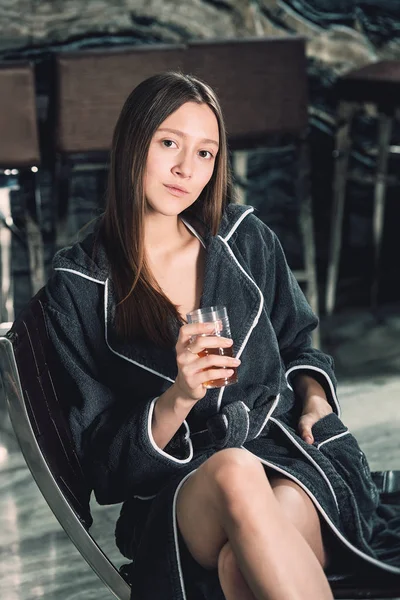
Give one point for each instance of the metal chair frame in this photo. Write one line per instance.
(64, 513)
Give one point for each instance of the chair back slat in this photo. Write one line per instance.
(47, 404)
(19, 141)
(92, 87)
(250, 76)
(261, 84)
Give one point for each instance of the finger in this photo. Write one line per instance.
(216, 360)
(202, 342)
(211, 375)
(191, 364)
(190, 330)
(307, 435)
(305, 431)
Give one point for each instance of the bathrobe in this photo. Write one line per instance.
(114, 385)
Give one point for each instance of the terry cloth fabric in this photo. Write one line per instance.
(114, 385)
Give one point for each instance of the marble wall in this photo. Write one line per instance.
(341, 34)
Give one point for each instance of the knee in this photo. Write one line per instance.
(226, 466)
(232, 472)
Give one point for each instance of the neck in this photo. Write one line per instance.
(163, 233)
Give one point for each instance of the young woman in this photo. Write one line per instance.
(232, 492)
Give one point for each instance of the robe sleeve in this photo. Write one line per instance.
(111, 428)
(293, 321)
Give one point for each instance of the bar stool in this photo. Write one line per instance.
(379, 84)
(91, 88)
(261, 106)
(19, 156)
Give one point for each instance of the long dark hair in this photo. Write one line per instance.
(143, 310)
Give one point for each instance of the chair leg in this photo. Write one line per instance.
(62, 175)
(239, 168)
(7, 295)
(341, 153)
(385, 133)
(307, 232)
(35, 243)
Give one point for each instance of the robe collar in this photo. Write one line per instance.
(226, 282)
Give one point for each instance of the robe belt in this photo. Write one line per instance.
(226, 429)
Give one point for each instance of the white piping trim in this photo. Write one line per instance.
(316, 465)
(192, 229)
(247, 416)
(375, 562)
(334, 437)
(245, 405)
(118, 353)
(312, 368)
(219, 401)
(181, 461)
(175, 527)
(269, 414)
(246, 339)
(236, 225)
(80, 275)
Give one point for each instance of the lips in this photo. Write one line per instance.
(176, 190)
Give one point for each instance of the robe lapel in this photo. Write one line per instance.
(160, 361)
(225, 283)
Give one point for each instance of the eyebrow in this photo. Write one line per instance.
(183, 135)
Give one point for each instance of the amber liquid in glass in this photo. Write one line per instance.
(216, 383)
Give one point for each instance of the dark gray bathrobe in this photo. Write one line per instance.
(114, 386)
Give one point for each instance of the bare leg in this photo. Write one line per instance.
(231, 579)
(299, 510)
(229, 499)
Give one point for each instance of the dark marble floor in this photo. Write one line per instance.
(37, 560)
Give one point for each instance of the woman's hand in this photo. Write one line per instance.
(194, 370)
(314, 409)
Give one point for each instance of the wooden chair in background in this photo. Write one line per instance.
(19, 158)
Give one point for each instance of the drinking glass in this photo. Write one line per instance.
(219, 316)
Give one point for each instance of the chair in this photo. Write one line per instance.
(251, 78)
(377, 84)
(256, 99)
(91, 88)
(37, 407)
(19, 158)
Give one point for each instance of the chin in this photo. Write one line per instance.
(166, 212)
(168, 208)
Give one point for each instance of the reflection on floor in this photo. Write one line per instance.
(37, 560)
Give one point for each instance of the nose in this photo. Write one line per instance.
(184, 165)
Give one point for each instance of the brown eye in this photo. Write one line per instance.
(205, 154)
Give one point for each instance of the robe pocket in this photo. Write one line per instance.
(333, 439)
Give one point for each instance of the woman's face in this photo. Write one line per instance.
(181, 159)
